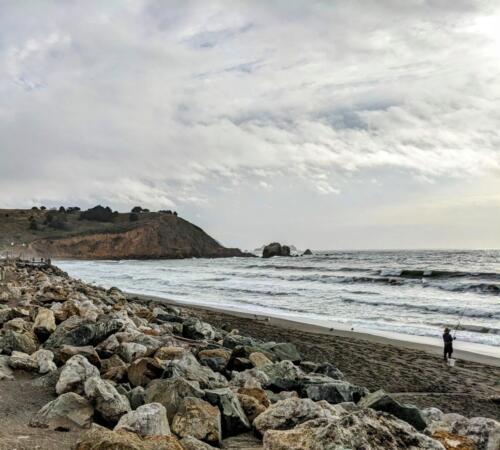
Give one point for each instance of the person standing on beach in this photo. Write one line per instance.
(448, 344)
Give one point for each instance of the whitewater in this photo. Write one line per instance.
(409, 292)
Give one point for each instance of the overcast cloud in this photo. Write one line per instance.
(325, 124)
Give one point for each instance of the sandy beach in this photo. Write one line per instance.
(414, 372)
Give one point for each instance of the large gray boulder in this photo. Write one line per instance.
(67, 412)
(329, 370)
(288, 413)
(234, 419)
(189, 368)
(147, 420)
(22, 361)
(335, 391)
(233, 340)
(366, 429)
(74, 374)
(45, 361)
(197, 329)
(199, 419)
(108, 402)
(283, 376)
(380, 401)
(171, 392)
(80, 332)
(283, 351)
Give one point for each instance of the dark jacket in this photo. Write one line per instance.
(447, 338)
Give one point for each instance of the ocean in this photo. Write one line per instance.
(410, 292)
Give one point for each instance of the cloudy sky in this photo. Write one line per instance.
(325, 124)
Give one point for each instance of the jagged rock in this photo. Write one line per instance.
(216, 359)
(74, 374)
(283, 351)
(485, 433)
(250, 378)
(366, 429)
(130, 351)
(191, 443)
(188, 367)
(381, 401)
(69, 411)
(147, 420)
(45, 324)
(258, 359)
(283, 375)
(235, 340)
(108, 347)
(169, 353)
(258, 393)
(329, 370)
(5, 371)
(288, 413)
(19, 325)
(21, 342)
(136, 397)
(275, 249)
(234, 419)
(251, 406)
(22, 361)
(79, 332)
(143, 370)
(196, 329)
(453, 441)
(45, 361)
(199, 419)
(171, 392)
(275, 397)
(108, 402)
(336, 392)
(100, 438)
(111, 363)
(67, 351)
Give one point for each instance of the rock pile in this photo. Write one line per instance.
(140, 375)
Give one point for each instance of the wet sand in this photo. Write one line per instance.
(413, 372)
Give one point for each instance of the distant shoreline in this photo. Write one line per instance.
(477, 353)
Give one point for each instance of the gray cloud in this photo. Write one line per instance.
(184, 104)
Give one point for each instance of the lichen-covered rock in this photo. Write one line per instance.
(366, 429)
(130, 351)
(45, 360)
(147, 420)
(287, 414)
(21, 342)
(170, 392)
(453, 441)
(234, 419)
(216, 359)
(22, 361)
(380, 401)
(197, 329)
(168, 353)
(258, 393)
(233, 340)
(108, 402)
(283, 375)
(251, 406)
(283, 351)
(199, 419)
(484, 432)
(258, 359)
(69, 411)
(136, 397)
(100, 438)
(74, 374)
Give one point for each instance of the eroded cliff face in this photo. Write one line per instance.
(163, 237)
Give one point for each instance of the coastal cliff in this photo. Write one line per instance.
(63, 234)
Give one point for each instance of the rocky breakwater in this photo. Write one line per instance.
(137, 375)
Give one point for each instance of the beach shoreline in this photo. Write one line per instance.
(478, 353)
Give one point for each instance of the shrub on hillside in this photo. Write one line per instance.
(99, 214)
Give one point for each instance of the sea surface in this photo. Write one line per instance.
(410, 292)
